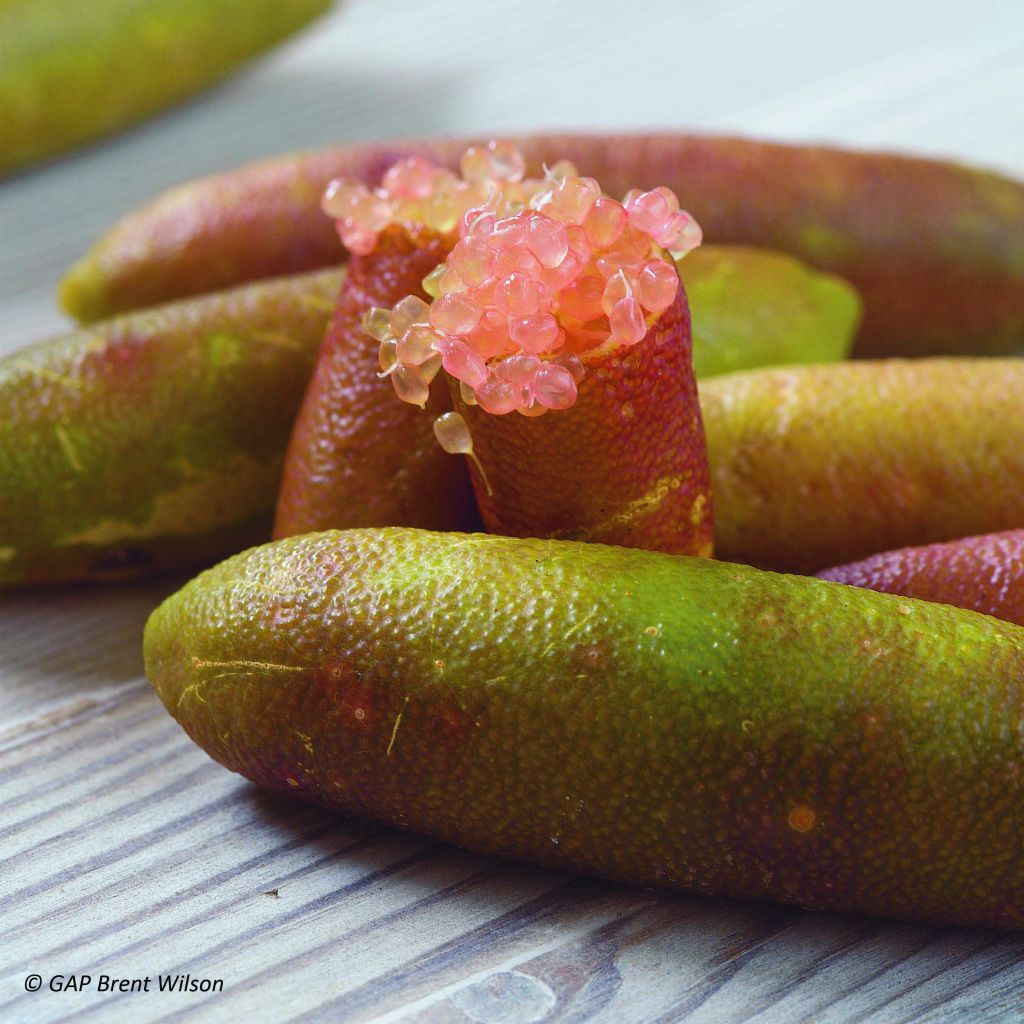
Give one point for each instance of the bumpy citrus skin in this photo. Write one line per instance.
(984, 573)
(754, 307)
(73, 71)
(357, 456)
(154, 440)
(626, 464)
(815, 466)
(659, 720)
(935, 249)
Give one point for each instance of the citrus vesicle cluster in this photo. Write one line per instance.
(543, 274)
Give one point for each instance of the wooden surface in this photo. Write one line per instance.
(126, 852)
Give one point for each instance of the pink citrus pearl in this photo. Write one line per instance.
(416, 345)
(547, 239)
(683, 233)
(507, 163)
(554, 387)
(470, 259)
(452, 432)
(376, 323)
(506, 232)
(627, 322)
(573, 364)
(340, 197)
(371, 212)
(536, 333)
(604, 223)
(411, 178)
(518, 295)
(617, 289)
(562, 169)
(657, 286)
(387, 354)
(450, 281)
(572, 199)
(358, 240)
(670, 197)
(650, 211)
(518, 370)
(430, 368)
(410, 386)
(477, 222)
(483, 294)
(490, 336)
(440, 212)
(455, 313)
(462, 363)
(406, 312)
(497, 397)
(475, 164)
(515, 258)
(448, 181)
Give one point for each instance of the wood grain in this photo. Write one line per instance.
(124, 850)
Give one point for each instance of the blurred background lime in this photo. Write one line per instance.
(74, 70)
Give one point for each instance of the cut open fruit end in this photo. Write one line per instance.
(543, 276)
